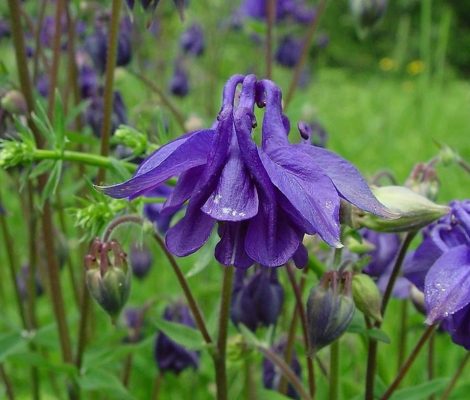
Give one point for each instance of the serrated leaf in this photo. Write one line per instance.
(52, 182)
(181, 334)
(422, 391)
(44, 125)
(73, 113)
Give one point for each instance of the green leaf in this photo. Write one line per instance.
(249, 336)
(11, 343)
(73, 113)
(41, 168)
(205, 256)
(98, 380)
(119, 169)
(41, 120)
(29, 359)
(181, 334)
(271, 395)
(378, 335)
(59, 122)
(422, 391)
(52, 182)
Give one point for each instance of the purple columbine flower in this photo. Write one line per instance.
(141, 260)
(179, 83)
(257, 300)
(313, 133)
(264, 199)
(169, 355)
(289, 51)
(192, 40)
(88, 81)
(95, 109)
(440, 267)
(158, 214)
(272, 376)
(134, 320)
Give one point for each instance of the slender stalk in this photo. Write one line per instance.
(307, 42)
(37, 42)
(126, 372)
(250, 387)
(157, 384)
(455, 377)
(82, 330)
(334, 371)
(109, 83)
(464, 165)
(303, 321)
(219, 360)
(163, 97)
(372, 347)
(6, 381)
(430, 363)
(286, 371)
(402, 333)
(271, 17)
(409, 361)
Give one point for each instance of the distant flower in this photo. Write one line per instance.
(169, 355)
(94, 112)
(4, 29)
(296, 9)
(272, 376)
(140, 259)
(156, 212)
(257, 300)
(179, 84)
(134, 320)
(264, 199)
(440, 267)
(22, 280)
(289, 51)
(88, 81)
(192, 40)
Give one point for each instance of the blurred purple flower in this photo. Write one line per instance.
(22, 278)
(272, 376)
(134, 320)
(4, 29)
(88, 81)
(140, 259)
(156, 212)
(256, 300)
(169, 355)
(264, 199)
(192, 40)
(289, 51)
(179, 83)
(95, 110)
(296, 9)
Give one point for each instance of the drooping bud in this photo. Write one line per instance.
(131, 138)
(367, 296)
(256, 301)
(134, 320)
(289, 51)
(108, 279)
(14, 102)
(192, 40)
(330, 309)
(141, 260)
(414, 211)
(179, 84)
(423, 180)
(169, 355)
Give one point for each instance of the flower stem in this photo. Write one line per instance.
(431, 362)
(157, 384)
(409, 361)
(109, 83)
(334, 371)
(307, 42)
(303, 321)
(220, 356)
(250, 388)
(126, 373)
(82, 328)
(286, 371)
(455, 377)
(271, 16)
(6, 381)
(402, 333)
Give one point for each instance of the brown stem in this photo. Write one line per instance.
(7, 383)
(307, 42)
(109, 84)
(157, 385)
(430, 362)
(82, 330)
(37, 42)
(455, 377)
(126, 372)
(402, 333)
(411, 358)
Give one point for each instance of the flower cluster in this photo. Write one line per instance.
(440, 267)
(264, 198)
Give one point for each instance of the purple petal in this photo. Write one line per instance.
(235, 198)
(447, 284)
(458, 326)
(346, 178)
(309, 190)
(183, 189)
(301, 256)
(231, 248)
(170, 160)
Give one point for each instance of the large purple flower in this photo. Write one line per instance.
(440, 267)
(263, 199)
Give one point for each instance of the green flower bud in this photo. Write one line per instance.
(131, 138)
(367, 296)
(415, 211)
(358, 247)
(108, 282)
(330, 309)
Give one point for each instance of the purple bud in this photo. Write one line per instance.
(88, 81)
(95, 109)
(192, 40)
(271, 374)
(134, 320)
(169, 355)
(22, 278)
(289, 51)
(42, 85)
(4, 29)
(156, 213)
(140, 259)
(130, 4)
(257, 300)
(149, 4)
(179, 84)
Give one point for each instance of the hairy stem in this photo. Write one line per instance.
(109, 83)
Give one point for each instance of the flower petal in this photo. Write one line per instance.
(310, 191)
(447, 284)
(235, 198)
(170, 160)
(231, 248)
(346, 178)
(183, 189)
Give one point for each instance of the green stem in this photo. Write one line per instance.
(456, 376)
(157, 385)
(406, 366)
(250, 387)
(334, 371)
(219, 359)
(109, 83)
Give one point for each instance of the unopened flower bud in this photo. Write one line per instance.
(367, 296)
(14, 102)
(330, 309)
(358, 247)
(108, 280)
(415, 211)
(141, 260)
(131, 138)
(423, 180)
